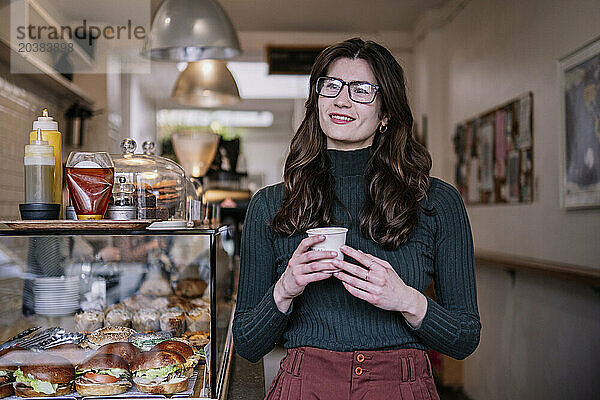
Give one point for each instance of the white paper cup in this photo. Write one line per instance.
(335, 237)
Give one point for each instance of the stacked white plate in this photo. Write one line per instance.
(56, 296)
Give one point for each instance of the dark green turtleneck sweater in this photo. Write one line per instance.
(325, 315)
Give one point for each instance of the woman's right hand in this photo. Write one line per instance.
(304, 267)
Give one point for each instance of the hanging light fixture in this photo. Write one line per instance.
(206, 83)
(191, 30)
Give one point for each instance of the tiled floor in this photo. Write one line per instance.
(447, 393)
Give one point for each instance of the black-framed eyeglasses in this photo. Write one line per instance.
(358, 91)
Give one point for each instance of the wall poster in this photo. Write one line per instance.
(495, 154)
(580, 127)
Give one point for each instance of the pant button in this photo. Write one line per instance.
(358, 371)
(360, 358)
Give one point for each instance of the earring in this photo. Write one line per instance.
(382, 128)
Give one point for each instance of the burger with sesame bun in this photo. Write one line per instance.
(44, 375)
(103, 375)
(159, 372)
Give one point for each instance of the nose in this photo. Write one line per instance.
(343, 98)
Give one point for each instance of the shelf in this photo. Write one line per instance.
(42, 74)
(100, 227)
(587, 275)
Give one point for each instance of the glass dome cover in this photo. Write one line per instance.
(159, 183)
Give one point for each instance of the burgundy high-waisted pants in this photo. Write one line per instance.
(311, 373)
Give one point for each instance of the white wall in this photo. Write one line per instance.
(540, 339)
(266, 155)
(492, 52)
(540, 336)
(142, 125)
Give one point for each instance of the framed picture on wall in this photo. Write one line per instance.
(494, 154)
(579, 74)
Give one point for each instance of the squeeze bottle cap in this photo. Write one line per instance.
(45, 122)
(39, 152)
(38, 141)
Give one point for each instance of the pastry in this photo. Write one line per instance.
(88, 321)
(198, 319)
(146, 320)
(109, 334)
(117, 317)
(156, 287)
(173, 320)
(191, 287)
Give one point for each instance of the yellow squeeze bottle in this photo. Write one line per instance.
(51, 134)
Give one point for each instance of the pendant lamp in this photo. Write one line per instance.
(206, 83)
(191, 30)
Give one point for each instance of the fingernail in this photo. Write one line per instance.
(333, 253)
(322, 237)
(344, 247)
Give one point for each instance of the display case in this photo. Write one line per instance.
(84, 276)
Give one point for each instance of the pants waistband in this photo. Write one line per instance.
(407, 364)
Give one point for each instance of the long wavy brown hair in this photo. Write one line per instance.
(396, 175)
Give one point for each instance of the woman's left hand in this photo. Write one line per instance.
(379, 284)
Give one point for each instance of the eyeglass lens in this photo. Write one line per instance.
(360, 92)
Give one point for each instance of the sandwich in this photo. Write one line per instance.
(43, 376)
(7, 370)
(191, 358)
(146, 341)
(102, 375)
(159, 372)
(6, 389)
(125, 350)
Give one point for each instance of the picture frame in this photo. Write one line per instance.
(579, 134)
(494, 154)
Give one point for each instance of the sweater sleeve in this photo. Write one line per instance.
(258, 324)
(451, 325)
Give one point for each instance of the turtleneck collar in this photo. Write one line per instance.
(350, 162)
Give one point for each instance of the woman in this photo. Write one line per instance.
(360, 332)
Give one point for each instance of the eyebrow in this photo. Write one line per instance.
(340, 79)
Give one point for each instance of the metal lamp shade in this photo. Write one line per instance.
(206, 83)
(191, 30)
(195, 150)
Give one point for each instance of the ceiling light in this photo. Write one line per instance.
(206, 83)
(191, 30)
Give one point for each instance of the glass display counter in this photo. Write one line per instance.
(85, 278)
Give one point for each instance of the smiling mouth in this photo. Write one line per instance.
(341, 119)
